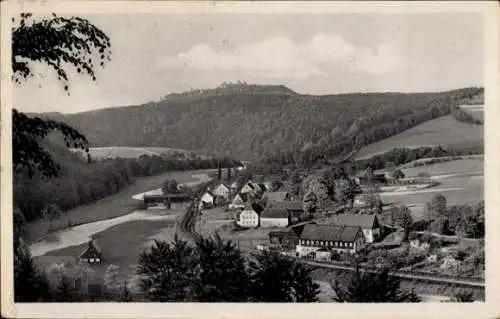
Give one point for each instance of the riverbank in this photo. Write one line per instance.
(112, 206)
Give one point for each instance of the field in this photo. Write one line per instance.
(133, 152)
(477, 111)
(115, 205)
(460, 181)
(444, 130)
(113, 244)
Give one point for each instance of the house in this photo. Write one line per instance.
(207, 200)
(288, 238)
(249, 216)
(239, 201)
(277, 196)
(92, 254)
(343, 239)
(274, 217)
(417, 242)
(252, 187)
(291, 206)
(222, 190)
(368, 223)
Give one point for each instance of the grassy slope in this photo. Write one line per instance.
(444, 130)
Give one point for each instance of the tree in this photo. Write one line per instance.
(438, 205)
(51, 212)
(125, 295)
(397, 174)
(111, 280)
(169, 186)
(275, 278)
(30, 284)
(464, 296)
(379, 206)
(56, 42)
(65, 292)
(402, 217)
(19, 227)
(309, 203)
(168, 271)
(379, 286)
(222, 271)
(304, 289)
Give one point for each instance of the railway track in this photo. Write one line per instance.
(407, 275)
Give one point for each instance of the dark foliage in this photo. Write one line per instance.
(380, 286)
(30, 284)
(275, 278)
(57, 42)
(215, 271)
(168, 271)
(278, 128)
(223, 275)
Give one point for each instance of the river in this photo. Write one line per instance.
(80, 234)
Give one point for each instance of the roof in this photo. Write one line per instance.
(363, 220)
(287, 205)
(254, 206)
(276, 196)
(92, 250)
(243, 196)
(222, 185)
(330, 232)
(272, 212)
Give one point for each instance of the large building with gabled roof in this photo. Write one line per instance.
(343, 239)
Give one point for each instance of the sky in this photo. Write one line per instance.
(311, 53)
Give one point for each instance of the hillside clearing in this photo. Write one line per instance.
(444, 131)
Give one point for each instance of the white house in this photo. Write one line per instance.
(207, 200)
(368, 223)
(223, 191)
(273, 217)
(249, 216)
(343, 239)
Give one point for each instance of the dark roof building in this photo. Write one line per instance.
(287, 205)
(364, 221)
(92, 254)
(331, 233)
(272, 212)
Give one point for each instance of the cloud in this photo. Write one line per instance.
(281, 57)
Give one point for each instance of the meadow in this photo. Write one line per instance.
(460, 181)
(443, 130)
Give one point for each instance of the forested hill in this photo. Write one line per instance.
(265, 126)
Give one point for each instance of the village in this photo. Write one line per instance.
(263, 215)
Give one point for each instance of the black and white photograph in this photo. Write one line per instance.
(208, 152)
